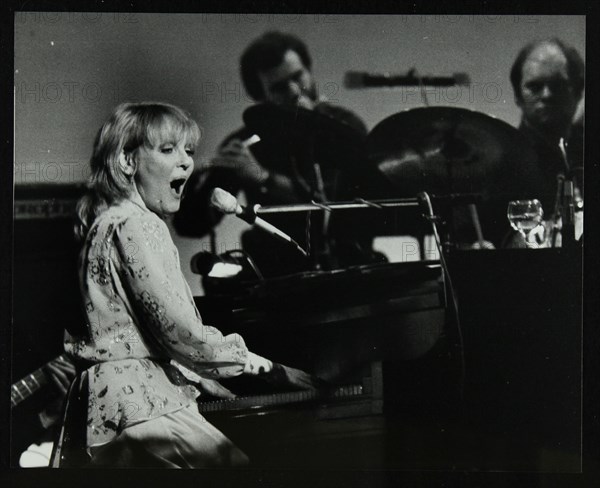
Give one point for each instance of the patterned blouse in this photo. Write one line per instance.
(141, 314)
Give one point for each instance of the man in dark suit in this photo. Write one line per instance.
(548, 81)
(276, 69)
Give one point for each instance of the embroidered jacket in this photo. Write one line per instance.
(141, 314)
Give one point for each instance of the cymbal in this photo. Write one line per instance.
(446, 150)
(311, 134)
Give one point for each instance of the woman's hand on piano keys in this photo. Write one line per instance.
(205, 385)
(281, 375)
(214, 388)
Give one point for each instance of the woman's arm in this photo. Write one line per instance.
(159, 293)
(157, 290)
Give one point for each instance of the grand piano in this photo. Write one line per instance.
(385, 340)
(351, 327)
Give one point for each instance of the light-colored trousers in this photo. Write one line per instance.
(182, 439)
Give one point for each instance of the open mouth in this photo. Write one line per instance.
(177, 186)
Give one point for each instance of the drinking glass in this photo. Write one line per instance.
(524, 216)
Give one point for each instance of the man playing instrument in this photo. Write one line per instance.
(275, 69)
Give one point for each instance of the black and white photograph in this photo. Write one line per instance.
(303, 243)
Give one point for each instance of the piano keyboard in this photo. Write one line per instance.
(258, 401)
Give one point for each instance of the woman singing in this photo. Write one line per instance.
(140, 310)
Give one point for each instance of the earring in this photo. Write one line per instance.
(130, 171)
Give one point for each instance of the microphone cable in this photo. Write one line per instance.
(425, 200)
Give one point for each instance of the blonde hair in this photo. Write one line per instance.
(130, 126)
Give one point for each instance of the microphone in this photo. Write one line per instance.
(226, 203)
(361, 79)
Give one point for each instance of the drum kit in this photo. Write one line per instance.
(469, 163)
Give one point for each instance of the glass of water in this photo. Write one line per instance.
(525, 216)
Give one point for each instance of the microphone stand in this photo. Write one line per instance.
(450, 227)
(323, 254)
(560, 179)
(567, 208)
(568, 215)
(319, 240)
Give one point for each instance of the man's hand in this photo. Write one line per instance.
(281, 375)
(237, 158)
(61, 372)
